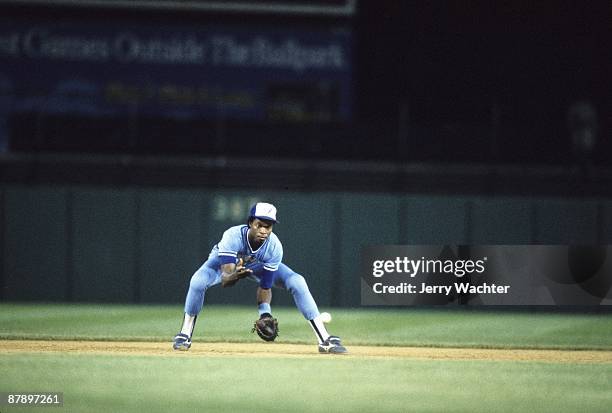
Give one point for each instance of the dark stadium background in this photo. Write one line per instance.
(433, 81)
(453, 128)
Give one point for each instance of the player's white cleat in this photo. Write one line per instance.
(333, 346)
(181, 342)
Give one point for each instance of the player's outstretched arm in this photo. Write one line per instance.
(264, 295)
(231, 274)
(267, 326)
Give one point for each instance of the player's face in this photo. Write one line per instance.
(260, 230)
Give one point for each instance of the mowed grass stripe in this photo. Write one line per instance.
(409, 327)
(94, 383)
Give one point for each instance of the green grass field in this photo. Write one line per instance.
(188, 382)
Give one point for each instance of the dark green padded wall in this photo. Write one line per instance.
(566, 221)
(104, 245)
(364, 220)
(501, 221)
(143, 244)
(35, 245)
(435, 220)
(171, 242)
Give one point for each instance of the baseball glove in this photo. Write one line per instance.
(266, 327)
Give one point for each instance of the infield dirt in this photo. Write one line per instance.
(280, 350)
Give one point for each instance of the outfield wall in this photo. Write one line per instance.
(136, 244)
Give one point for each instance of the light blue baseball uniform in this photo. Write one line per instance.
(265, 262)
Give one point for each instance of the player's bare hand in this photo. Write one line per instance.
(228, 280)
(242, 273)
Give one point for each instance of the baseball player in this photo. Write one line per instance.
(254, 251)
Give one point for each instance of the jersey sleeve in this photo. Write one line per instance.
(229, 246)
(273, 260)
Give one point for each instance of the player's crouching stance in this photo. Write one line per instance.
(255, 252)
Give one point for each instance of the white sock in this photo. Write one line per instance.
(319, 328)
(188, 324)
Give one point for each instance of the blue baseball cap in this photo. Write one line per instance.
(263, 210)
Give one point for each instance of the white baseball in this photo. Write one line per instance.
(326, 317)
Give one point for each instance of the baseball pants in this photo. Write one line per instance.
(285, 278)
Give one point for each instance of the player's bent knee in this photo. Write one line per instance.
(296, 283)
(198, 283)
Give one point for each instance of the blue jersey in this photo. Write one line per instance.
(234, 245)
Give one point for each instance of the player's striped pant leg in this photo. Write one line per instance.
(297, 286)
(204, 278)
